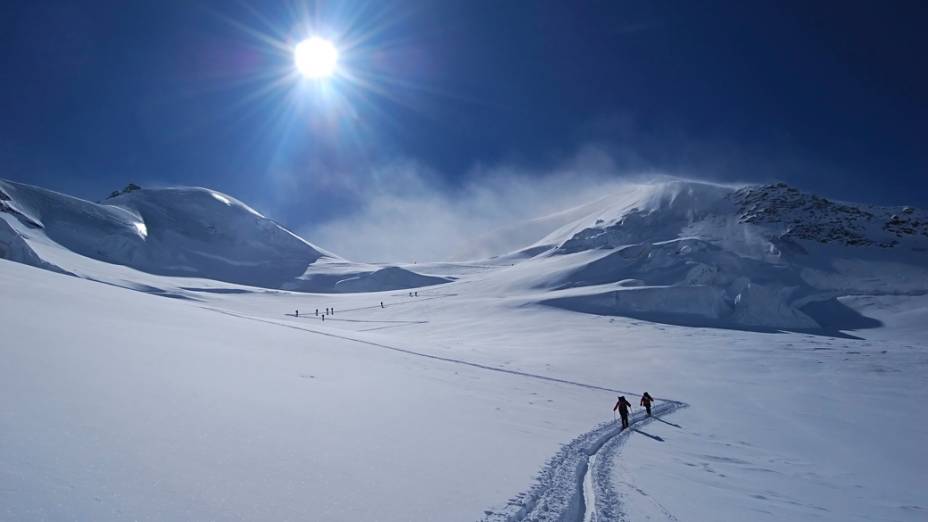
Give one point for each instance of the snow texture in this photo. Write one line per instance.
(791, 327)
(192, 232)
(760, 257)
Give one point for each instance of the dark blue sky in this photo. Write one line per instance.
(829, 96)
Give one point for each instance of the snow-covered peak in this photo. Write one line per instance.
(178, 231)
(766, 256)
(170, 231)
(657, 211)
(207, 201)
(774, 213)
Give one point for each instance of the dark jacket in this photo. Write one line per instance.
(623, 405)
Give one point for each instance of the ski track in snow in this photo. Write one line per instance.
(589, 490)
(417, 299)
(575, 484)
(330, 318)
(423, 354)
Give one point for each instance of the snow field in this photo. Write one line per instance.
(116, 404)
(793, 328)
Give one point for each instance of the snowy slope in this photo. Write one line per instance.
(682, 252)
(116, 405)
(191, 232)
(476, 399)
(696, 253)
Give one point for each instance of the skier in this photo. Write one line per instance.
(296, 314)
(381, 304)
(623, 406)
(317, 312)
(417, 294)
(323, 318)
(646, 401)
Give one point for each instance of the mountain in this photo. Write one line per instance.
(698, 253)
(676, 251)
(189, 232)
(487, 398)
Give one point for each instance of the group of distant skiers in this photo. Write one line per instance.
(622, 406)
(328, 311)
(331, 311)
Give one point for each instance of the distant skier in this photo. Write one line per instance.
(317, 312)
(381, 304)
(623, 406)
(323, 318)
(417, 294)
(297, 313)
(646, 401)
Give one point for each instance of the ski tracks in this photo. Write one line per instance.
(576, 484)
(580, 470)
(462, 362)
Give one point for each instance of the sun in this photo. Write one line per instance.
(315, 57)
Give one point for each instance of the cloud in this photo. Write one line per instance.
(404, 211)
(407, 212)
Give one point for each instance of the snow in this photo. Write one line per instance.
(753, 257)
(142, 229)
(185, 231)
(117, 404)
(221, 198)
(486, 397)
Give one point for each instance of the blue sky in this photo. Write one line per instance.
(827, 96)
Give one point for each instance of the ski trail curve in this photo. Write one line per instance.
(575, 484)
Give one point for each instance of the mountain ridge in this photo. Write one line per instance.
(178, 231)
(677, 251)
(757, 257)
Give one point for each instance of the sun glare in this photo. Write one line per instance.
(315, 58)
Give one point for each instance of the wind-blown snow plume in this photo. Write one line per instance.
(407, 213)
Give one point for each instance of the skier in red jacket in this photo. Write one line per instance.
(646, 401)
